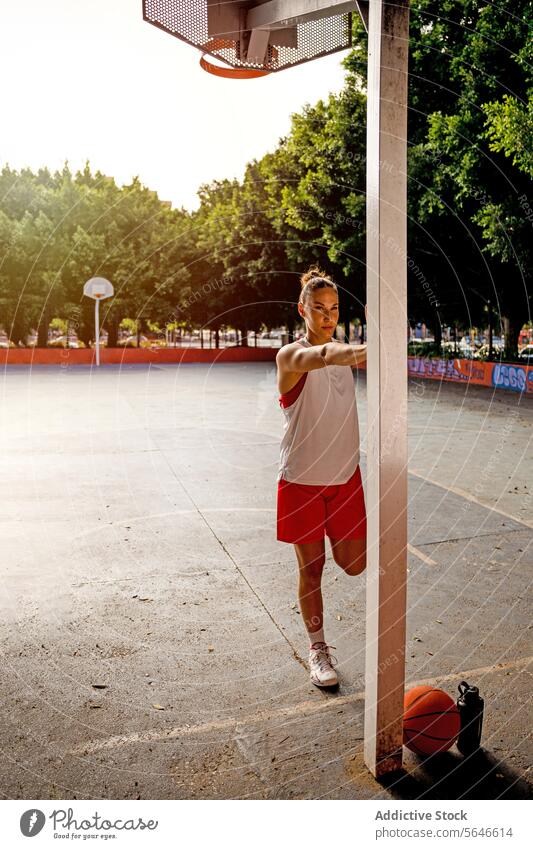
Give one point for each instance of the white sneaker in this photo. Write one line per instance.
(321, 666)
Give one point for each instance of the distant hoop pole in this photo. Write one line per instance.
(232, 73)
(97, 327)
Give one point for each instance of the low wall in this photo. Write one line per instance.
(513, 376)
(123, 356)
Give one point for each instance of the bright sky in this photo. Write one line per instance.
(89, 79)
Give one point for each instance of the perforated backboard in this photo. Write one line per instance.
(262, 34)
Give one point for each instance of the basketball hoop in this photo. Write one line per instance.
(98, 288)
(255, 37)
(231, 73)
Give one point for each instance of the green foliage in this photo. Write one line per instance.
(510, 129)
(57, 230)
(236, 260)
(130, 325)
(58, 324)
(470, 89)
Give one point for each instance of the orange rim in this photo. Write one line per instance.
(232, 73)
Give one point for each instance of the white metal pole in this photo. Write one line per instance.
(97, 328)
(386, 494)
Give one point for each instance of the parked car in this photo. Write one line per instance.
(483, 352)
(61, 342)
(131, 341)
(467, 348)
(526, 353)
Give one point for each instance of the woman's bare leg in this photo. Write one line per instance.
(311, 558)
(350, 554)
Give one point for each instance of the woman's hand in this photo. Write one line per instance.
(360, 353)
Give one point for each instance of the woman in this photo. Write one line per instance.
(319, 480)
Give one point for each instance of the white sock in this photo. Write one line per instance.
(316, 636)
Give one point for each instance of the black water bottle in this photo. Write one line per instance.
(470, 705)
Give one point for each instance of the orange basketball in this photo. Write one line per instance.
(431, 721)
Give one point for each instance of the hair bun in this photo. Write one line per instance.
(313, 279)
(313, 272)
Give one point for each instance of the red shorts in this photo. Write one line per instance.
(306, 512)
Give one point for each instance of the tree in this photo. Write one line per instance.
(470, 66)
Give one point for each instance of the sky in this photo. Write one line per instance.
(89, 79)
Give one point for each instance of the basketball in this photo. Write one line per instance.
(431, 721)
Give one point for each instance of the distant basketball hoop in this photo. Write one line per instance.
(98, 288)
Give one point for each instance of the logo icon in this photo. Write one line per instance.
(31, 822)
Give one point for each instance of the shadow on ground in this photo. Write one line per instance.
(450, 776)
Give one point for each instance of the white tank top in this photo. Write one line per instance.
(320, 444)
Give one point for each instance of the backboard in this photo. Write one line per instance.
(98, 288)
(261, 35)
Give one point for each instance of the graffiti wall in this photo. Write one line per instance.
(513, 376)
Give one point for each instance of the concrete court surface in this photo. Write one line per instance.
(152, 644)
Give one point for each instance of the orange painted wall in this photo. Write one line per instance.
(123, 356)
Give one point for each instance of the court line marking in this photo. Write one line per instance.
(308, 706)
(453, 429)
(463, 494)
(421, 555)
